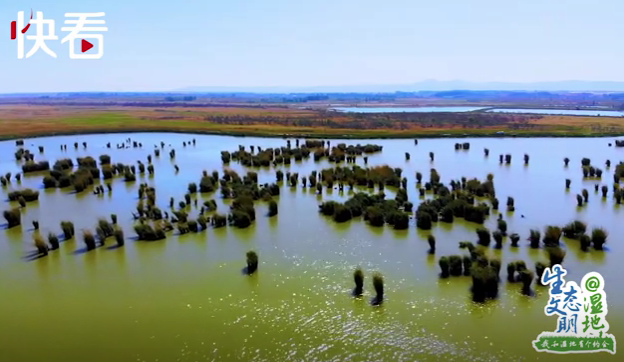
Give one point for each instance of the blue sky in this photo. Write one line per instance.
(165, 45)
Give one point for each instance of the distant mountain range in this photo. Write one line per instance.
(427, 85)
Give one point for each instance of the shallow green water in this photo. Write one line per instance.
(184, 299)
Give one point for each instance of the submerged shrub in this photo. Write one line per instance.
(13, 217)
(444, 267)
(495, 264)
(484, 236)
(68, 229)
(446, 214)
(358, 278)
(27, 194)
(498, 239)
(432, 243)
(539, 271)
(202, 222)
(423, 220)
(455, 264)
(272, 208)
(129, 176)
(534, 239)
(119, 236)
(210, 205)
(148, 232)
(252, 262)
(53, 241)
(400, 221)
(374, 215)
(219, 220)
(239, 218)
(105, 159)
(41, 246)
(470, 247)
(32, 166)
(511, 272)
(502, 226)
(88, 239)
(342, 213)
(378, 285)
(328, 207)
(494, 202)
(49, 182)
(552, 235)
(598, 238)
(574, 229)
(585, 195)
(514, 238)
(192, 225)
(183, 228)
(104, 229)
(467, 263)
(484, 282)
(526, 276)
(585, 242)
(555, 255)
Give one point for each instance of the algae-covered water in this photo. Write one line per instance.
(185, 298)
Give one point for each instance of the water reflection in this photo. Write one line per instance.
(43, 269)
(431, 261)
(120, 258)
(375, 230)
(90, 263)
(445, 226)
(598, 257)
(220, 233)
(400, 234)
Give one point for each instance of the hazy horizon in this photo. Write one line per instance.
(161, 47)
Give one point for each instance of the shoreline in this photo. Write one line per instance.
(346, 136)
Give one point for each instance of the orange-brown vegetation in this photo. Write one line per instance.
(19, 120)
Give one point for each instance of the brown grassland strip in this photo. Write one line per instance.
(40, 120)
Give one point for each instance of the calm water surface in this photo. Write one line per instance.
(574, 112)
(406, 109)
(184, 299)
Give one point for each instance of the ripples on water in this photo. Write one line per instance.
(321, 322)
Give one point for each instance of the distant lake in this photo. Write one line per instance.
(405, 109)
(574, 112)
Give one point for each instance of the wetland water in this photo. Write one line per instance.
(184, 298)
(405, 109)
(569, 112)
(572, 112)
